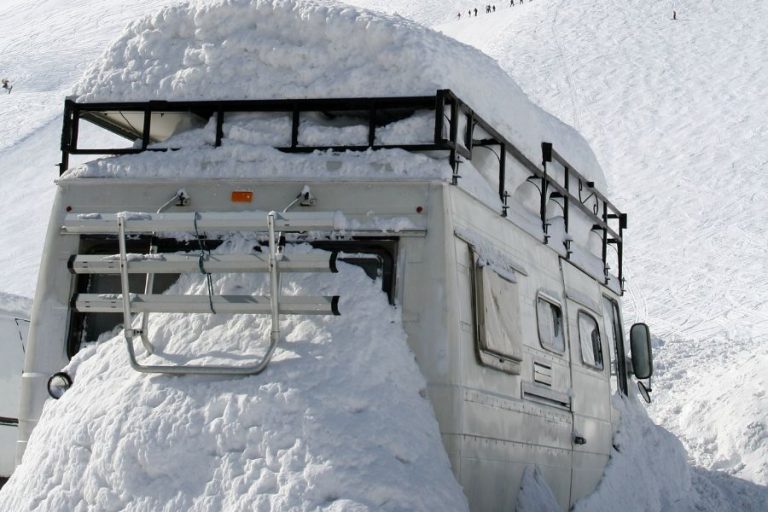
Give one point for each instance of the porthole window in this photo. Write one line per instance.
(550, 320)
(589, 341)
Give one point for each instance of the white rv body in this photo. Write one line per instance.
(13, 337)
(516, 335)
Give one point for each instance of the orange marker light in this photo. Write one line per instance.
(242, 196)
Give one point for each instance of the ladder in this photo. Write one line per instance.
(275, 262)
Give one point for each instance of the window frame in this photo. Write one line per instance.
(508, 363)
(619, 347)
(593, 317)
(552, 302)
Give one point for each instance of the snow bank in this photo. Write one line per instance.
(254, 49)
(649, 472)
(535, 495)
(339, 420)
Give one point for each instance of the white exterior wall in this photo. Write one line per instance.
(494, 423)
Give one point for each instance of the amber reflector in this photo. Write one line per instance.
(242, 196)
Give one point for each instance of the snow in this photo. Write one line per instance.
(15, 305)
(338, 421)
(311, 49)
(675, 113)
(535, 495)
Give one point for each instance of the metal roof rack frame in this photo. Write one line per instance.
(450, 113)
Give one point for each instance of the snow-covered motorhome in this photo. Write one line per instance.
(507, 272)
(13, 336)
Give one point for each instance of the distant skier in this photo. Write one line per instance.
(494, 8)
(511, 3)
(459, 16)
(674, 15)
(7, 85)
(475, 12)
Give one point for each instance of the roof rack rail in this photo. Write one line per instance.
(154, 121)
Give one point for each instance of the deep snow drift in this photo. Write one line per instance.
(339, 420)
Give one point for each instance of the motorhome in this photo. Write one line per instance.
(508, 271)
(13, 338)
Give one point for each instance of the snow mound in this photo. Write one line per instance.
(535, 495)
(259, 49)
(338, 421)
(649, 472)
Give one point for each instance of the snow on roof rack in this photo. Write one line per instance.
(154, 121)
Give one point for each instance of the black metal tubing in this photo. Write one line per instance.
(373, 107)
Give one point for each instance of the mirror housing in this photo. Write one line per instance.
(645, 392)
(642, 354)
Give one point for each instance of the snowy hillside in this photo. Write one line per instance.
(676, 113)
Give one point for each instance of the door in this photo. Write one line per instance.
(590, 378)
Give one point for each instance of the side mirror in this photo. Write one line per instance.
(642, 357)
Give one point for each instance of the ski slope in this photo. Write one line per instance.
(676, 114)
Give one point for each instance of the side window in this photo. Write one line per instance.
(497, 313)
(589, 340)
(549, 317)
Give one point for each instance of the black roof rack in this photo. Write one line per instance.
(154, 121)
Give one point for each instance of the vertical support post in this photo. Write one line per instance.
(66, 136)
(75, 129)
(620, 247)
(605, 241)
(546, 156)
(620, 250)
(454, 140)
(273, 282)
(219, 127)
(502, 171)
(372, 126)
(469, 132)
(566, 215)
(124, 284)
(145, 129)
(295, 120)
(439, 113)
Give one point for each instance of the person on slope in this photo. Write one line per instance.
(475, 12)
(6, 85)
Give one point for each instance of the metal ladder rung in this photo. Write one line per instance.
(229, 304)
(140, 222)
(182, 263)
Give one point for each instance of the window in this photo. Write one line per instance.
(589, 340)
(550, 319)
(497, 313)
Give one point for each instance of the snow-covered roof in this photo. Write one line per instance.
(267, 49)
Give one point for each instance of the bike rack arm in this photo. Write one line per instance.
(198, 369)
